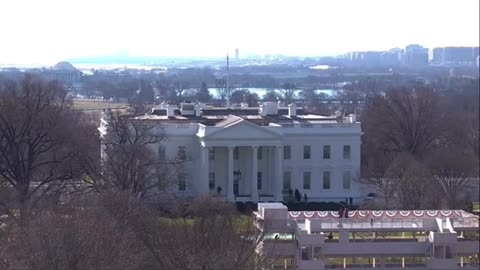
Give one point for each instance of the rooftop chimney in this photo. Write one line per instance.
(170, 110)
(352, 118)
(268, 108)
(187, 108)
(292, 110)
(198, 110)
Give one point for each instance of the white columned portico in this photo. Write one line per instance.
(278, 183)
(230, 194)
(204, 185)
(254, 189)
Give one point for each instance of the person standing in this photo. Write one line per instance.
(298, 196)
(340, 216)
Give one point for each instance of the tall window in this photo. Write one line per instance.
(211, 153)
(287, 152)
(326, 152)
(286, 180)
(347, 178)
(326, 180)
(306, 152)
(182, 153)
(161, 152)
(259, 180)
(259, 153)
(346, 152)
(306, 180)
(235, 153)
(182, 184)
(211, 181)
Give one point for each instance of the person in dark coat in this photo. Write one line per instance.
(305, 197)
(340, 216)
(351, 201)
(298, 196)
(346, 212)
(290, 192)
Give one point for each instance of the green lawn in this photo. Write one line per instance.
(242, 223)
(86, 105)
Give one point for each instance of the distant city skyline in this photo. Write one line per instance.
(48, 31)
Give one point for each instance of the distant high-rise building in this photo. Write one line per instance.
(455, 55)
(416, 55)
(237, 54)
(392, 57)
(376, 58)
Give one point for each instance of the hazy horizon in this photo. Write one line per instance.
(49, 31)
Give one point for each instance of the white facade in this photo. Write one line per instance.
(429, 239)
(257, 154)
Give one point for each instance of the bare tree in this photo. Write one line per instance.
(405, 120)
(133, 159)
(413, 184)
(180, 87)
(36, 131)
(288, 92)
(313, 102)
(222, 90)
(114, 230)
(81, 235)
(215, 239)
(453, 171)
(375, 175)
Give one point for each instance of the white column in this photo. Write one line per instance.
(203, 188)
(230, 195)
(278, 181)
(254, 177)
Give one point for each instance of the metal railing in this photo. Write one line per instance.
(360, 223)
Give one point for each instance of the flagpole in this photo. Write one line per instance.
(228, 85)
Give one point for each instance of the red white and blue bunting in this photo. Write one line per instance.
(381, 214)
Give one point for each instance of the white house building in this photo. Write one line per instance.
(410, 239)
(259, 153)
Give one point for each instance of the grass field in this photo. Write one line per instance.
(88, 105)
(241, 223)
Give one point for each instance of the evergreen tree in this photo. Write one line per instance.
(146, 94)
(203, 95)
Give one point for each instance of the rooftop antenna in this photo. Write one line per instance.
(228, 87)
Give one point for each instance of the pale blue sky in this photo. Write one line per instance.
(47, 31)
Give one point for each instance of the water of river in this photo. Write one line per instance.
(262, 91)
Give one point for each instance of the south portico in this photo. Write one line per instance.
(237, 164)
